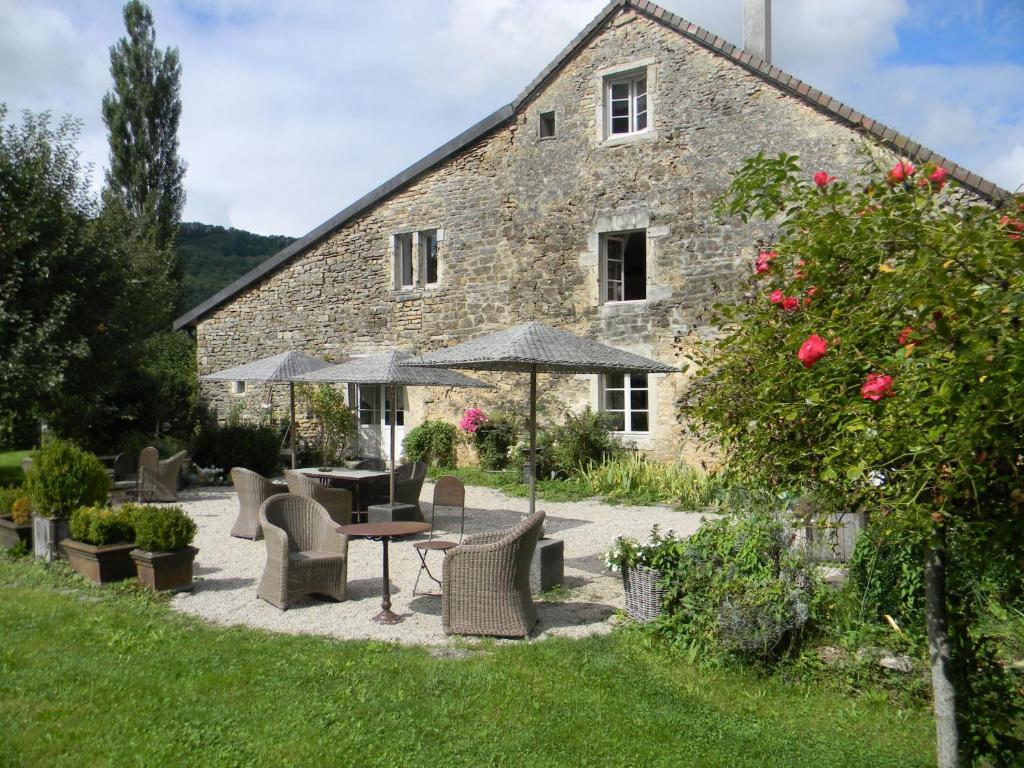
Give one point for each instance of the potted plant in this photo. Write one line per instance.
(15, 518)
(63, 477)
(641, 573)
(163, 555)
(100, 542)
(335, 421)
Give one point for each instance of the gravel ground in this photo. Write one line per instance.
(227, 570)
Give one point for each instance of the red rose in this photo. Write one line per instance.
(876, 386)
(776, 297)
(901, 171)
(790, 304)
(760, 269)
(764, 260)
(905, 335)
(822, 179)
(938, 177)
(812, 350)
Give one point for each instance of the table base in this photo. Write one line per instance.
(387, 616)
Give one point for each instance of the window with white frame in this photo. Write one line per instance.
(625, 99)
(428, 256)
(625, 398)
(404, 277)
(624, 266)
(238, 387)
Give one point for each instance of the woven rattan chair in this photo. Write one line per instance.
(160, 482)
(486, 582)
(337, 501)
(306, 554)
(408, 485)
(449, 494)
(252, 489)
(377, 465)
(126, 472)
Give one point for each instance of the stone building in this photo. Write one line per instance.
(586, 204)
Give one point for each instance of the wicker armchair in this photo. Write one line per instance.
(337, 501)
(160, 482)
(306, 554)
(486, 582)
(252, 489)
(408, 484)
(126, 472)
(377, 465)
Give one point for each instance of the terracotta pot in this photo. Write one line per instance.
(11, 534)
(165, 571)
(111, 562)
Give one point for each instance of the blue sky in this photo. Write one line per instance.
(292, 110)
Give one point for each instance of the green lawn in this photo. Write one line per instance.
(10, 467)
(106, 676)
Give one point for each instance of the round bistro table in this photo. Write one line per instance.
(384, 532)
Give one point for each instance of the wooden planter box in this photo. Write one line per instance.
(12, 534)
(112, 562)
(165, 571)
(47, 534)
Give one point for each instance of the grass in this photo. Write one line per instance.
(109, 676)
(10, 467)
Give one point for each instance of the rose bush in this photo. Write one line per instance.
(915, 375)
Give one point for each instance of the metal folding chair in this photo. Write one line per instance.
(450, 493)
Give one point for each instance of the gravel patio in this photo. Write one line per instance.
(227, 570)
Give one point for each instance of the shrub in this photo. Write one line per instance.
(101, 526)
(432, 442)
(735, 587)
(21, 511)
(252, 446)
(334, 421)
(163, 529)
(7, 498)
(635, 480)
(493, 439)
(661, 550)
(63, 478)
(582, 440)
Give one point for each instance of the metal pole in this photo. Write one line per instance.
(533, 438)
(291, 398)
(394, 410)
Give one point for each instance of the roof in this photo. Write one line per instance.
(767, 71)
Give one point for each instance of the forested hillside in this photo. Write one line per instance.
(212, 257)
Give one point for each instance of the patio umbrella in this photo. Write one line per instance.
(531, 348)
(285, 367)
(389, 368)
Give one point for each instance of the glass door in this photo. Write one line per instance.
(373, 406)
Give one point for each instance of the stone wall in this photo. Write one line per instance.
(520, 217)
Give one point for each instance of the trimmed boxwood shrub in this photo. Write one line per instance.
(63, 478)
(101, 526)
(433, 442)
(163, 529)
(252, 446)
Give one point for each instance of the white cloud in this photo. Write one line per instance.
(293, 110)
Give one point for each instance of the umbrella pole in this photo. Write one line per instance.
(394, 410)
(533, 439)
(291, 400)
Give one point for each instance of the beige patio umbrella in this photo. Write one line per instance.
(531, 348)
(276, 369)
(389, 368)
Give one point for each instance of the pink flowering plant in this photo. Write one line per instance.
(902, 360)
(472, 420)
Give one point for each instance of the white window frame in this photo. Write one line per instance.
(400, 242)
(634, 110)
(606, 270)
(423, 238)
(238, 388)
(627, 410)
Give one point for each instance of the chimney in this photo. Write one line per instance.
(757, 28)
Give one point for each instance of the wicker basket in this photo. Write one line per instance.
(643, 593)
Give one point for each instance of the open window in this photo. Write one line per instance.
(546, 127)
(624, 266)
(625, 103)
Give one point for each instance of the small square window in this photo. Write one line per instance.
(547, 125)
(238, 387)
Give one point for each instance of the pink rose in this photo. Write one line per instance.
(876, 386)
(822, 179)
(905, 335)
(901, 171)
(812, 350)
(761, 268)
(938, 177)
(472, 420)
(776, 297)
(812, 290)
(790, 304)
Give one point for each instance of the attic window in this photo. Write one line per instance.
(625, 101)
(237, 387)
(547, 125)
(403, 261)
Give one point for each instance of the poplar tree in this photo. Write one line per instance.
(141, 114)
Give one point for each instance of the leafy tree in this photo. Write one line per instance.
(877, 360)
(335, 423)
(142, 114)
